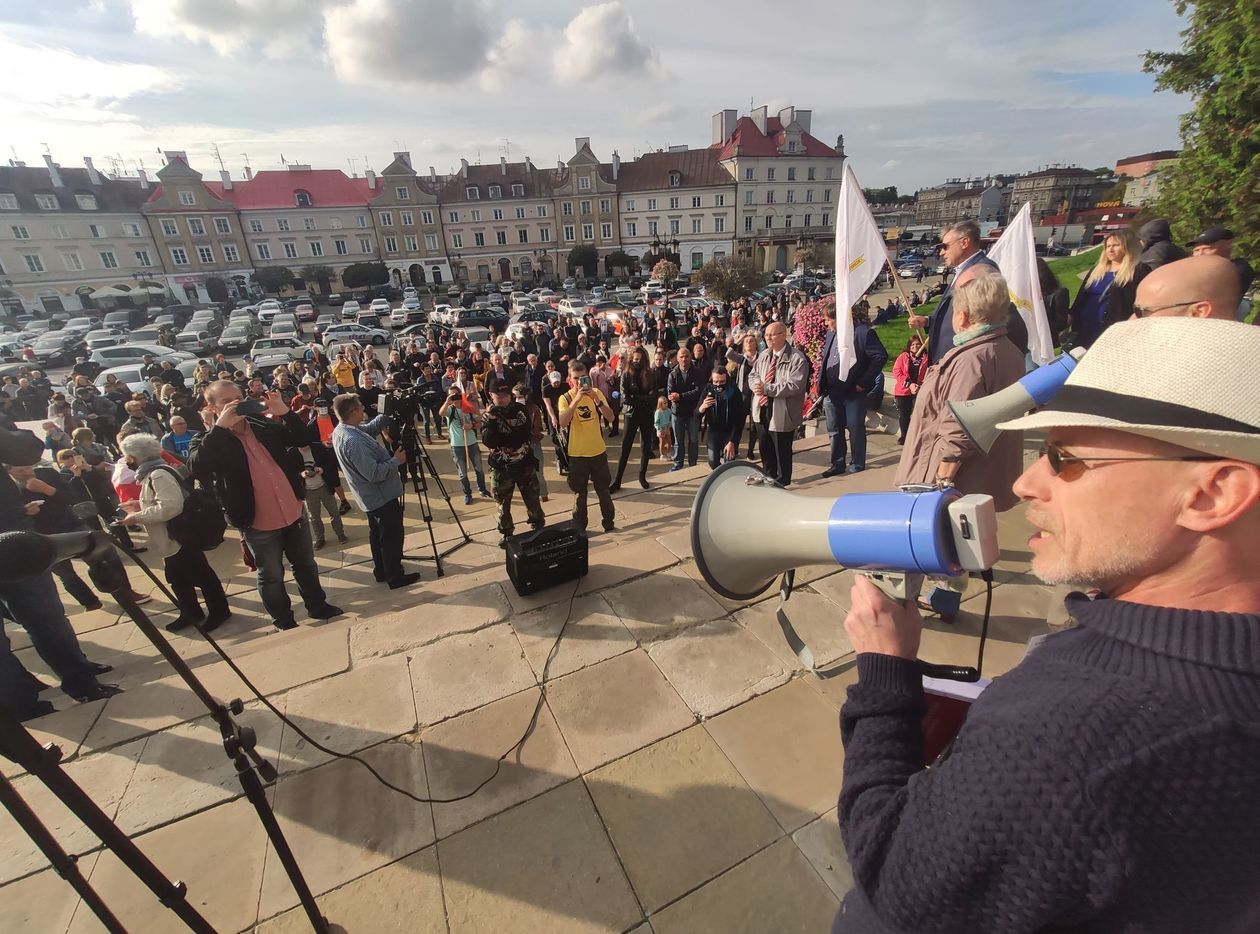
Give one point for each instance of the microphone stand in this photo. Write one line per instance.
(239, 744)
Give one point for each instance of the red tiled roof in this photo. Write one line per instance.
(752, 142)
(278, 189)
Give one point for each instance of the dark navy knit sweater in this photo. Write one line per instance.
(1109, 783)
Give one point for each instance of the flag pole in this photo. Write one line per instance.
(892, 271)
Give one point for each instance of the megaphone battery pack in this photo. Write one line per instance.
(550, 556)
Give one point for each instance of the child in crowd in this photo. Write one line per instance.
(664, 433)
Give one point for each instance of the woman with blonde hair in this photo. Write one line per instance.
(1108, 292)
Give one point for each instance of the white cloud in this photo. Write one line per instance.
(601, 42)
(521, 52)
(280, 28)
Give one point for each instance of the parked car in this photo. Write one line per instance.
(350, 311)
(573, 306)
(133, 352)
(910, 270)
(323, 323)
(284, 327)
(82, 325)
(236, 336)
(356, 332)
(418, 331)
(304, 311)
(196, 340)
(56, 347)
(625, 293)
(379, 306)
(276, 351)
(104, 337)
(268, 310)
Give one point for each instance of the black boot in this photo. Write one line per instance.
(643, 478)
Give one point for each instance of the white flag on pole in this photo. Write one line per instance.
(860, 256)
(1016, 256)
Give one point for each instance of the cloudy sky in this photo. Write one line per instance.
(921, 91)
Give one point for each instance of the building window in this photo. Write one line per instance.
(588, 231)
(542, 210)
(585, 207)
(452, 217)
(430, 242)
(605, 231)
(402, 193)
(697, 259)
(426, 217)
(86, 202)
(522, 235)
(222, 225)
(792, 173)
(831, 172)
(496, 191)
(498, 214)
(673, 227)
(827, 195)
(476, 216)
(457, 241)
(811, 173)
(317, 247)
(20, 232)
(808, 219)
(674, 203)
(719, 223)
(406, 218)
(500, 237)
(290, 249)
(826, 221)
(719, 254)
(206, 255)
(695, 201)
(479, 239)
(195, 227)
(72, 262)
(255, 226)
(62, 232)
(96, 231)
(748, 223)
(651, 228)
(386, 218)
(262, 250)
(651, 204)
(47, 202)
(518, 191)
(341, 247)
(108, 259)
(142, 258)
(629, 204)
(365, 245)
(791, 196)
(632, 229)
(770, 196)
(302, 199)
(697, 225)
(605, 205)
(770, 174)
(412, 243)
(308, 223)
(568, 233)
(471, 193)
(8, 201)
(187, 198)
(567, 209)
(169, 229)
(719, 201)
(545, 235)
(769, 222)
(787, 221)
(520, 214)
(391, 244)
(748, 197)
(282, 224)
(360, 220)
(748, 175)
(33, 262)
(230, 254)
(809, 196)
(584, 182)
(179, 256)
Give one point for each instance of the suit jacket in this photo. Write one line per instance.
(867, 364)
(941, 324)
(786, 394)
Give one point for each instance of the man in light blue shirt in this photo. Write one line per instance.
(372, 475)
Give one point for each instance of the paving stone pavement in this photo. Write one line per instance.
(681, 773)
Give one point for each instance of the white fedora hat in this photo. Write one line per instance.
(1194, 382)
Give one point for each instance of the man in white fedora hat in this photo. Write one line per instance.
(1110, 781)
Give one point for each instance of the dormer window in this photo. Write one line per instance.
(496, 191)
(403, 193)
(187, 198)
(518, 191)
(302, 199)
(675, 179)
(8, 201)
(791, 145)
(47, 202)
(86, 202)
(472, 193)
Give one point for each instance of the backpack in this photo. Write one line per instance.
(202, 523)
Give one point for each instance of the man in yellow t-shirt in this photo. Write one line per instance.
(343, 372)
(580, 409)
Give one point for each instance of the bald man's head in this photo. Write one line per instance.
(1195, 287)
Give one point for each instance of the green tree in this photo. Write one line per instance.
(1216, 179)
(881, 195)
(320, 274)
(584, 257)
(729, 277)
(665, 271)
(620, 259)
(274, 279)
(364, 275)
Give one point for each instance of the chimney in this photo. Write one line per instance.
(226, 177)
(175, 155)
(786, 116)
(144, 179)
(724, 125)
(616, 164)
(249, 174)
(759, 119)
(681, 147)
(580, 142)
(804, 118)
(371, 179)
(503, 165)
(53, 175)
(463, 168)
(299, 167)
(94, 177)
(404, 158)
(432, 174)
(529, 166)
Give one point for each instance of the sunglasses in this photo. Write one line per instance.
(1144, 312)
(1069, 467)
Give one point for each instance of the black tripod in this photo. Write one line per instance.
(253, 771)
(418, 462)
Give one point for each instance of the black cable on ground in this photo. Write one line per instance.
(498, 765)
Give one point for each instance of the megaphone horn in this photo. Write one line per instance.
(745, 531)
(980, 417)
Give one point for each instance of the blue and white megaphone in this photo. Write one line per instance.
(746, 530)
(980, 417)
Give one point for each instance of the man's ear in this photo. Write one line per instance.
(1223, 493)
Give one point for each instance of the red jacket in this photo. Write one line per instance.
(902, 376)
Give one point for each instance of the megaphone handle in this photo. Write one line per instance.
(897, 585)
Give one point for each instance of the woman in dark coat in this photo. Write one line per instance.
(638, 399)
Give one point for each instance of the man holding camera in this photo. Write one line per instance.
(580, 409)
(507, 434)
(372, 474)
(725, 405)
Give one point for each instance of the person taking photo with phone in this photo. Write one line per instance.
(580, 410)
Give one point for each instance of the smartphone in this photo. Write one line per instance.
(584, 382)
(250, 407)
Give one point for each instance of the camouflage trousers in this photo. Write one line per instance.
(503, 482)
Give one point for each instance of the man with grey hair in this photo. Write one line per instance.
(959, 249)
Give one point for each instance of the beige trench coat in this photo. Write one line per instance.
(786, 395)
(976, 369)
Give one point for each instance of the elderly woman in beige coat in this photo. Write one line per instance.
(983, 360)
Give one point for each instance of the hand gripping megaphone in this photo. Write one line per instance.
(746, 530)
(980, 417)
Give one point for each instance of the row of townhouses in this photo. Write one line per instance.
(763, 189)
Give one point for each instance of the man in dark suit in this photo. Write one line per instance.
(960, 250)
(844, 395)
(500, 373)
